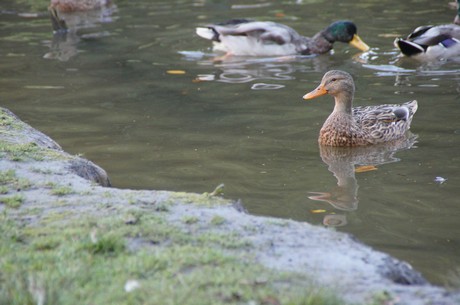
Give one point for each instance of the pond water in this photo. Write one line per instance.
(105, 92)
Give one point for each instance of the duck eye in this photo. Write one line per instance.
(333, 79)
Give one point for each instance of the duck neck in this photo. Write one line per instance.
(343, 102)
(318, 44)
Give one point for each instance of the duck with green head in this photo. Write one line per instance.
(244, 37)
(362, 125)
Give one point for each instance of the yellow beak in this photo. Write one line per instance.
(315, 93)
(358, 43)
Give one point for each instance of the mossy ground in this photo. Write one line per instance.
(89, 260)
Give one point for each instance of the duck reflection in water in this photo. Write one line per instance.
(73, 21)
(344, 162)
(246, 69)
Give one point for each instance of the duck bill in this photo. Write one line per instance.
(358, 43)
(315, 93)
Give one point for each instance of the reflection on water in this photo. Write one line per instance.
(81, 25)
(241, 69)
(342, 162)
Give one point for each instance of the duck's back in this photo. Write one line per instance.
(384, 123)
(254, 38)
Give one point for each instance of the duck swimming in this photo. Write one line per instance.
(265, 38)
(428, 43)
(358, 126)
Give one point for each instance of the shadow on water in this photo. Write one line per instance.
(343, 162)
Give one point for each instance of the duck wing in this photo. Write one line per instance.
(267, 31)
(433, 35)
(443, 37)
(385, 122)
(247, 37)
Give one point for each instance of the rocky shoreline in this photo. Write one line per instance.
(44, 181)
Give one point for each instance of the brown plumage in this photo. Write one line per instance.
(357, 126)
(77, 5)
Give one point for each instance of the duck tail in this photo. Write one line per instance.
(409, 48)
(413, 106)
(208, 33)
(58, 24)
(406, 111)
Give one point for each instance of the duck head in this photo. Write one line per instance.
(335, 83)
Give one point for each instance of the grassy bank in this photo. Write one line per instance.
(134, 256)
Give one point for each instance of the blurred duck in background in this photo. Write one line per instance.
(74, 20)
(456, 5)
(61, 10)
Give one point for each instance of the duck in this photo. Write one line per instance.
(430, 43)
(362, 125)
(67, 6)
(456, 6)
(58, 9)
(245, 37)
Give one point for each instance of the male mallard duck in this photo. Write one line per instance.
(347, 126)
(265, 38)
(427, 43)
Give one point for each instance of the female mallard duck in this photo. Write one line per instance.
(57, 8)
(427, 43)
(347, 126)
(264, 38)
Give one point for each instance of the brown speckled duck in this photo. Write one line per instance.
(358, 126)
(60, 10)
(78, 5)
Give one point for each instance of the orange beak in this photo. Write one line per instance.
(315, 93)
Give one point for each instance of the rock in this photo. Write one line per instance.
(89, 171)
(19, 133)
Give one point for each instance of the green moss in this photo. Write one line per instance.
(198, 199)
(217, 220)
(7, 120)
(88, 260)
(44, 243)
(225, 240)
(61, 190)
(109, 244)
(17, 147)
(21, 152)
(9, 181)
(4, 189)
(190, 220)
(7, 177)
(383, 297)
(14, 201)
